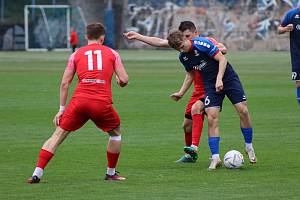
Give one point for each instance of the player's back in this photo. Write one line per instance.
(94, 65)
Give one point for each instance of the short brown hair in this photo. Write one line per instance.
(94, 31)
(187, 25)
(175, 39)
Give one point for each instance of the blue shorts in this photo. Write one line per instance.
(233, 89)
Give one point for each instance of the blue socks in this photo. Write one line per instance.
(247, 133)
(213, 143)
(298, 95)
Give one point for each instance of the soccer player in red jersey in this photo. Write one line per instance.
(193, 120)
(73, 39)
(94, 65)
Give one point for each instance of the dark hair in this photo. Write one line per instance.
(175, 39)
(94, 31)
(187, 25)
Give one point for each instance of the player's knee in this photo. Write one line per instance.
(115, 132)
(212, 118)
(243, 112)
(297, 83)
(197, 109)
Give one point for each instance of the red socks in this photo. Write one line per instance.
(44, 157)
(112, 159)
(197, 128)
(188, 138)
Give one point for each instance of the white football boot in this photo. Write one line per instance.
(251, 155)
(214, 164)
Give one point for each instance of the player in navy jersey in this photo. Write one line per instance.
(219, 80)
(193, 118)
(291, 24)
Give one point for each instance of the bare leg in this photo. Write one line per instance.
(213, 121)
(55, 140)
(244, 115)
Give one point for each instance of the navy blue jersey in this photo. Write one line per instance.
(201, 57)
(293, 17)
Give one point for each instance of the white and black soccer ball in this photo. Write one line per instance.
(233, 159)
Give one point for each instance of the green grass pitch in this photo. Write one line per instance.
(152, 134)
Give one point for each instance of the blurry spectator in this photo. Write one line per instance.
(73, 39)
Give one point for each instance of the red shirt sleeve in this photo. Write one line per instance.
(118, 61)
(71, 62)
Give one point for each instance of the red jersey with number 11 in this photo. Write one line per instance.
(94, 65)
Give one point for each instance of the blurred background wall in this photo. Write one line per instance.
(240, 24)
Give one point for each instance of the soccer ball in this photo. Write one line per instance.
(233, 159)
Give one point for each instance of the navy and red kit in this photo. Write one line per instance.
(198, 92)
(201, 58)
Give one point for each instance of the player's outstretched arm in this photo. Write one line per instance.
(283, 29)
(189, 77)
(153, 41)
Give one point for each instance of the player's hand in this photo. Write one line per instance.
(176, 96)
(117, 80)
(57, 118)
(289, 27)
(219, 85)
(131, 35)
(121, 84)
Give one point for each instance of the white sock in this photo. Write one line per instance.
(215, 156)
(195, 147)
(111, 171)
(38, 172)
(249, 146)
